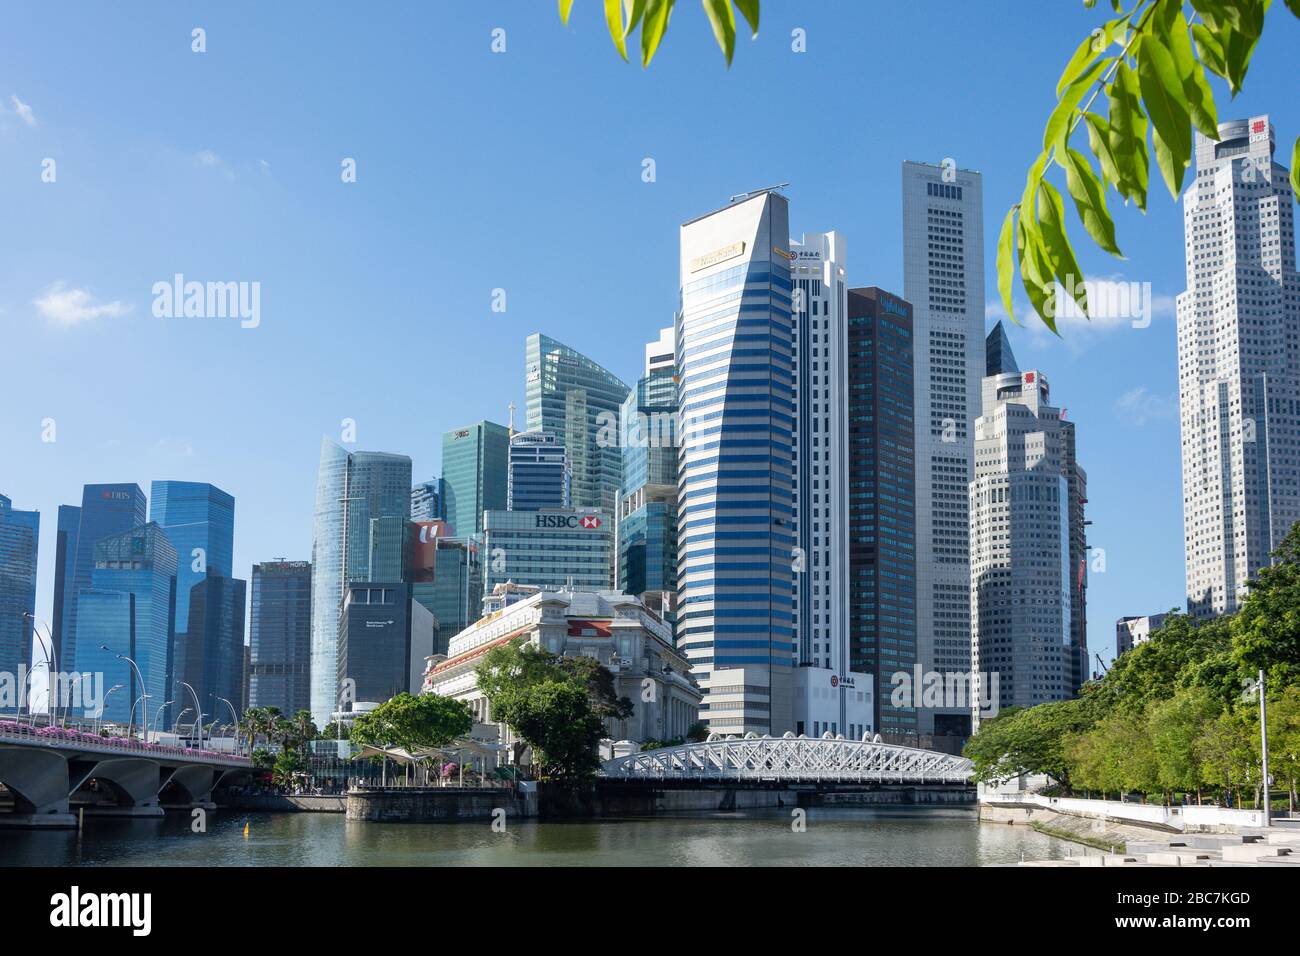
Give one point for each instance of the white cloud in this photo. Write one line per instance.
(63, 306)
(23, 110)
(1139, 406)
(207, 159)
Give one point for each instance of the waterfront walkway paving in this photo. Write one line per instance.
(1250, 847)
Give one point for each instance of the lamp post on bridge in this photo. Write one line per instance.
(99, 721)
(235, 717)
(51, 653)
(198, 711)
(130, 730)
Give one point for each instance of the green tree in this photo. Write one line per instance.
(697, 732)
(1226, 752)
(413, 723)
(1153, 64)
(1284, 741)
(1032, 741)
(1154, 670)
(1176, 726)
(1266, 631)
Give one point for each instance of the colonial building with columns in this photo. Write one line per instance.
(616, 629)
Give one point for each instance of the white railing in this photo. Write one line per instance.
(791, 759)
(63, 738)
(1174, 817)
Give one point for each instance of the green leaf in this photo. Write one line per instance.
(614, 20)
(1007, 260)
(565, 7)
(1237, 49)
(723, 21)
(749, 9)
(1162, 92)
(1210, 48)
(657, 13)
(1128, 136)
(1051, 223)
(1099, 143)
(1036, 271)
(1090, 201)
(1196, 90)
(1295, 163)
(632, 10)
(1293, 6)
(1058, 124)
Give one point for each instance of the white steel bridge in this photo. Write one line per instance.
(791, 760)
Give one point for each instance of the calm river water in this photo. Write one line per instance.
(833, 837)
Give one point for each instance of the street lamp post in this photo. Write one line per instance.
(100, 719)
(234, 716)
(161, 707)
(143, 693)
(198, 711)
(51, 706)
(176, 727)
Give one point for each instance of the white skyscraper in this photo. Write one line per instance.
(943, 278)
(1027, 545)
(1238, 364)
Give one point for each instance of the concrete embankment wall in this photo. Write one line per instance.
(1091, 831)
(439, 804)
(910, 796)
(283, 803)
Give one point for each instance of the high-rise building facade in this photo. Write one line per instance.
(554, 548)
(1026, 528)
(279, 658)
(452, 590)
(882, 500)
(19, 540)
(943, 279)
(647, 505)
(539, 473)
(1238, 364)
(1132, 631)
(106, 510)
(129, 611)
(575, 399)
(427, 500)
(735, 537)
(199, 520)
(352, 489)
(475, 474)
(65, 562)
(374, 649)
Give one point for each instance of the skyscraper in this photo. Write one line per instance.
(427, 500)
(1238, 364)
(1026, 531)
(199, 520)
(106, 510)
(351, 490)
(735, 540)
(279, 660)
(19, 539)
(820, 452)
(647, 508)
(539, 472)
(882, 499)
(943, 279)
(65, 561)
(129, 611)
(475, 474)
(575, 399)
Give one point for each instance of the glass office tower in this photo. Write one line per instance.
(539, 473)
(65, 559)
(130, 610)
(280, 636)
(882, 498)
(426, 500)
(735, 538)
(475, 474)
(575, 399)
(351, 490)
(19, 537)
(106, 510)
(199, 520)
(647, 507)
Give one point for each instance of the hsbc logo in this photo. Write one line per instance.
(586, 522)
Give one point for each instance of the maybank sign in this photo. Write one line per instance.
(717, 255)
(586, 522)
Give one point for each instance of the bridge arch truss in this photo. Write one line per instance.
(792, 759)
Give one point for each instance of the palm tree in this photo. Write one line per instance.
(253, 724)
(304, 728)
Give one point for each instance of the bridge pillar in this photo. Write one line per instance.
(132, 782)
(38, 781)
(195, 784)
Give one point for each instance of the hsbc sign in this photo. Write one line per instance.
(586, 522)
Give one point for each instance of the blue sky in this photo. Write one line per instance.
(518, 170)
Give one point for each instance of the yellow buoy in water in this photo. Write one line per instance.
(245, 829)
